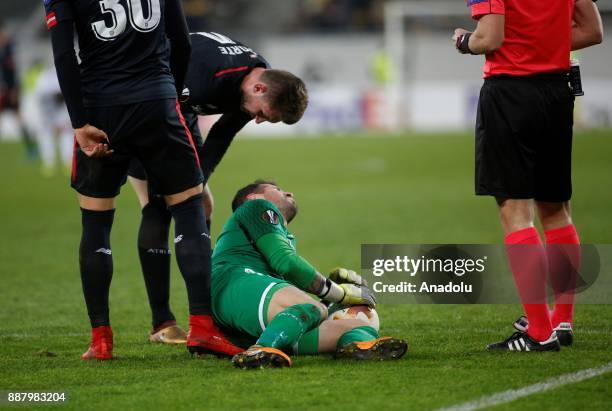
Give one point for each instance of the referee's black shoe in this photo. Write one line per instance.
(521, 341)
(565, 333)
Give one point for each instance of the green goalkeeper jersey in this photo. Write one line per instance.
(237, 243)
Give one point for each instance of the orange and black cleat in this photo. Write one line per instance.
(206, 338)
(258, 357)
(101, 347)
(384, 348)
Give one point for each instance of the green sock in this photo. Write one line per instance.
(288, 326)
(357, 334)
(308, 344)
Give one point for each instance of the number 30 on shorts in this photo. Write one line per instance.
(119, 17)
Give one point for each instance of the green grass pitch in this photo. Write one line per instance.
(372, 189)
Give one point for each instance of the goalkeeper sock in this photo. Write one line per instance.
(192, 248)
(96, 263)
(288, 326)
(358, 334)
(155, 258)
(308, 344)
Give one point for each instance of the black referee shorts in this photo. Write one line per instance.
(138, 171)
(155, 133)
(524, 138)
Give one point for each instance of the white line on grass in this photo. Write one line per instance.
(511, 395)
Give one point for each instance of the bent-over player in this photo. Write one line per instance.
(223, 77)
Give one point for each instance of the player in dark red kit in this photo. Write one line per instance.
(224, 77)
(524, 145)
(122, 100)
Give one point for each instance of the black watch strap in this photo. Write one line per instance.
(463, 43)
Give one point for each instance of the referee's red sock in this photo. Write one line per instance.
(563, 251)
(527, 259)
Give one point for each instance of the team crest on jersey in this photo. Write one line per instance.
(269, 216)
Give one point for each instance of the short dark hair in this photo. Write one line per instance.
(286, 93)
(254, 188)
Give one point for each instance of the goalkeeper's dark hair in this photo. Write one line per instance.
(254, 188)
(286, 94)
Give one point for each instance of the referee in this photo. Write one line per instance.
(524, 146)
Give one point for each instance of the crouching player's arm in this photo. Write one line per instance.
(287, 262)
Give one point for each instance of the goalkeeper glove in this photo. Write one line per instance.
(357, 295)
(343, 275)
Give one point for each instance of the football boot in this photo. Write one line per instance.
(384, 348)
(168, 333)
(565, 333)
(101, 347)
(258, 357)
(521, 341)
(205, 337)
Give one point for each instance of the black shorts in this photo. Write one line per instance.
(524, 138)
(155, 133)
(137, 170)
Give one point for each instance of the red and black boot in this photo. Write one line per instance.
(206, 338)
(101, 347)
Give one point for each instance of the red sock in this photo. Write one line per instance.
(527, 259)
(563, 251)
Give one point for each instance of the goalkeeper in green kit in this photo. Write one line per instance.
(261, 287)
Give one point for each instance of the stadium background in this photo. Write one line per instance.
(384, 154)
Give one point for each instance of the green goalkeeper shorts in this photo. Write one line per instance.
(240, 299)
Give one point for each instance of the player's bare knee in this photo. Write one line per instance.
(174, 199)
(290, 296)
(208, 200)
(515, 214)
(141, 189)
(95, 203)
(338, 328)
(348, 325)
(554, 215)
